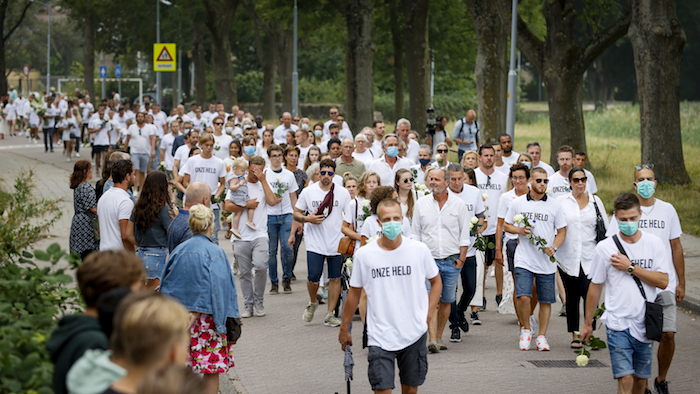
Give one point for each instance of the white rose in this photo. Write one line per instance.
(582, 360)
(518, 218)
(372, 239)
(549, 190)
(278, 177)
(348, 263)
(475, 220)
(484, 196)
(471, 225)
(366, 203)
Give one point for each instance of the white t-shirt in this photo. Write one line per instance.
(208, 171)
(546, 167)
(287, 180)
(504, 168)
(412, 150)
(397, 303)
(221, 145)
(255, 192)
(182, 153)
(159, 120)
(280, 133)
(366, 157)
(303, 152)
(660, 219)
(559, 184)
(101, 137)
(546, 217)
(504, 203)
(114, 205)
(166, 143)
(493, 185)
(87, 109)
(387, 173)
(197, 123)
(323, 238)
(475, 205)
(372, 228)
(343, 133)
(624, 304)
(140, 141)
(510, 160)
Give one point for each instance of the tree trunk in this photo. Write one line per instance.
(219, 20)
(267, 57)
(200, 70)
(89, 56)
(397, 41)
(359, 63)
(415, 16)
(6, 29)
(658, 39)
(491, 23)
(562, 63)
(284, 41)
(598, 85)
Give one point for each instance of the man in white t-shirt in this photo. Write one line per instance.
(166, 149)
(508, 155)
(580, 161)
(547, 222)
(333, 112)
(638, 264)
(387, 165)
(491, 183)
(392, 271)
(535, 150)
(159, 120)
(378, 130)
(321, 206)
(222, 141)
(198, 120)
(280, 218)
(114, 209)
(559, 182)
(211, 170)
(475, 211)
(279, 136)
(498, 164)
(403, 127)
(207, 115)
(251, 250)
(99, 127)
(441, 222)
(661, 219)
(301, 137)
(142, 142)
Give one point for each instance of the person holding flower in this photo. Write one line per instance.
(534, 257)
(358, 209)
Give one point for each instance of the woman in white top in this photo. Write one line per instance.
(263, 144)
(576, 253)
(70, 128)
(11, 115)
(403, 183)
(358, 209)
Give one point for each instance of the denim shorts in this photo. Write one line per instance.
(545, 285)
(629, 356)
(153, 260)
(140, 161)
(449, 274)
(314, 262)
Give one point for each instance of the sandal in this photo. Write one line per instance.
(576, 344)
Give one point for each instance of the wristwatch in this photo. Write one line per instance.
(630, 269)
(555, 248)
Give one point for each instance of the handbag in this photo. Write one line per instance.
(346, 246)
(599, 223)
(654, 314)
(233, 329)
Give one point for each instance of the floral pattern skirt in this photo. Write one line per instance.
(210, 352)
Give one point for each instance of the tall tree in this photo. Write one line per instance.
(10, 19)
(657, 40)
(219, 16)
(200, 70)
(397, 42)
(84, 15)
(492, 23)
(415, 17)
(562, 62)
(359, 62)
(267, 57)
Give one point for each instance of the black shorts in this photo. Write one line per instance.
(510, 253)
(99, 149)
(490, 254)
(412, 361)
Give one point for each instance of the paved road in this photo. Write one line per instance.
(281, 353)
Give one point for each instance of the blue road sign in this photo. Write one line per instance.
(118, 71)
(103, 71)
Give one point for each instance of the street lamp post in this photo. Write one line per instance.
(166, 2)
(512, 74)
(48, 44)
(295, 74)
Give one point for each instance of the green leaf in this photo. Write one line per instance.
(41, 255)
(27, 254)
(53, 248)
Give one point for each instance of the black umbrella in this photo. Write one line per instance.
(348, 362)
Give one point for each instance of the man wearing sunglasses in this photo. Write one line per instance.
(548, 222)
(661, 219)
(324, 203)
(222, 141)
(333, 112)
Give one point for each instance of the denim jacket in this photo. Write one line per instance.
(198, 275)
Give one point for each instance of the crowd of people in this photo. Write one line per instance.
(396, 216)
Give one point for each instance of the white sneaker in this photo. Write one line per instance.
(331, 321)
(247, 312)
(533, 323)
(259, 309)
(77, 154)
(309, 311)
(542, 344)
(525, 338)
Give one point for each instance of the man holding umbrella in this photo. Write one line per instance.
(393, 271)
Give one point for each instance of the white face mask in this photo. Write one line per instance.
(229, 129)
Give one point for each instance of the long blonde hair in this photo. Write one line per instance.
(411, 200)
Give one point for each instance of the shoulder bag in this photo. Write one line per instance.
(346, 246)
(599, 223)
(654, 315)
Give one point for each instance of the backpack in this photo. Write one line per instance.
(461, 129)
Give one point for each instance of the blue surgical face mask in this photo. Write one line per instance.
(318, 133)
(249, 150)
(628, 228)
(392, 151)
(645, 188)
(424, 162)
(526, 163)
(391, 229)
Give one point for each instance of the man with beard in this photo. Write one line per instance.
(114, 209)
(508, 156)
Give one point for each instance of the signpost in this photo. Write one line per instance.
(103, 75)
(25, 70)
(164, 57)
(118, 74)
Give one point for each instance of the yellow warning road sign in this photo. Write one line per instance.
(164, 57)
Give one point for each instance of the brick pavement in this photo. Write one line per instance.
(281, 353)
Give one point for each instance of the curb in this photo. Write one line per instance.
(690, 304)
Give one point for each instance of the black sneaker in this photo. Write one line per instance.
(463, 323)
(499, 298)
(661, 387)
(287, 287)
(456, 335)
(475, 318)
(482, 308)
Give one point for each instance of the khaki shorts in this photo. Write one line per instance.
(667, 299)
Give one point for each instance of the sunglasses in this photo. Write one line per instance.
(579, 180)
(641, 166)
(546, 181)
(408, 180)
(219, 124)
(330, 173)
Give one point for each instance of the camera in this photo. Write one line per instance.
(430, 125)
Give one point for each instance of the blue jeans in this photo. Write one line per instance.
(278, 228)
(449, 275)
(48, 137)
(545, 285)
(629, 356)
(153, 260)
